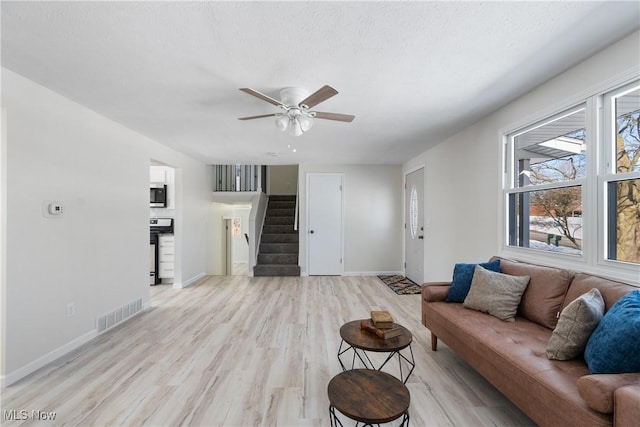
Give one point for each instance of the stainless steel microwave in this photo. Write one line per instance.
(158, 196)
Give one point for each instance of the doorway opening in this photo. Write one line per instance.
(236, 245)
(163, 222)
(230, 239)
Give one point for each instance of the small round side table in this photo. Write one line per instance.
(360, 342)
(368, 396)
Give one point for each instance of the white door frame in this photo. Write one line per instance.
(227, 224)
(307, 218)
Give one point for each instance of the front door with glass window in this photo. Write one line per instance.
(414, 226)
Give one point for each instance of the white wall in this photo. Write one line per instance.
(96, 255)
(463, 173)
(373, 217)
(282, 179)
(3, 239)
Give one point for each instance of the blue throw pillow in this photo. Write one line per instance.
(462, 276)
(614, 347)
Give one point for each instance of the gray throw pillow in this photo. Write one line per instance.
(576, 323)
(495, 293)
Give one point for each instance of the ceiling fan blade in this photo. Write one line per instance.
(256, 117)
(322, 94)
(334, 116)
(261, 96)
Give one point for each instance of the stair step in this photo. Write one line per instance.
(280, 212)
(279, 220)
(276, 270)
(278, 229)
(277, 198)
(280, 238)
(289, 259)
(278, 248)
(281, 205)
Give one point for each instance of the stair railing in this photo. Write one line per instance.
(295, 215)
(239, 178)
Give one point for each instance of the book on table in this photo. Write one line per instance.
(381, 319)
(385, 334)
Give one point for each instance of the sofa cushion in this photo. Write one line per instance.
(577, 321)
(614, 347)
(495, 293)
(462, 276)
(598, 390)
(610, 290)
(542, 301)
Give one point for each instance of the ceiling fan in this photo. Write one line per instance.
(296, 103)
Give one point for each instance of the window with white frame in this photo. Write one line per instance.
(621, 175)
(572, 182)
(546, 180)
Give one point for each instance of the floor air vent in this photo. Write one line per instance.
(111, 319)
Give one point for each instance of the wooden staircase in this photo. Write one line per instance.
(278, 252)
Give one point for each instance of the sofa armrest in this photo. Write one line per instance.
(598, 389)
(435, 291)
(627, 409)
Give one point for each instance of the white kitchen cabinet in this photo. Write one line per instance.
(158, 174)
(166, 252)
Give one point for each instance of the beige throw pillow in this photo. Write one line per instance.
(576, 323)
(495, 293)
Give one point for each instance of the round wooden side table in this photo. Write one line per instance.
(368, 396)
(360, 342)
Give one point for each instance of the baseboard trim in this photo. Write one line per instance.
(192, 281)
(29, 368)
(363, 273)
(20, 373)
(373, 273)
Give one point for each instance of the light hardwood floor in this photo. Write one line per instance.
(239, 351)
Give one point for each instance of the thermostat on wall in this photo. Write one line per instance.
(52, 208)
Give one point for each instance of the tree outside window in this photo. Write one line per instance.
(624, 197)
(552, 157)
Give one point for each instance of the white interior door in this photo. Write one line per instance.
(414, 226)
(324, 225)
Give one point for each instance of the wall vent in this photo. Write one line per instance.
(118, 315)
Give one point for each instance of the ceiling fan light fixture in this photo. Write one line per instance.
(305, 122)
(282, 122)
(294, 127)
(294, 115)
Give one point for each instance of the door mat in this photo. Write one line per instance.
(400, 285)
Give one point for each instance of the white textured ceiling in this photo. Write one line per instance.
(412, 73)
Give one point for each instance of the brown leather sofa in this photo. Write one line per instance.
(512, 355)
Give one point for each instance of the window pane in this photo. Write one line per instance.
(624, 220)
(628, 134)
(549, 220)
(413, 212)
(553, 152)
